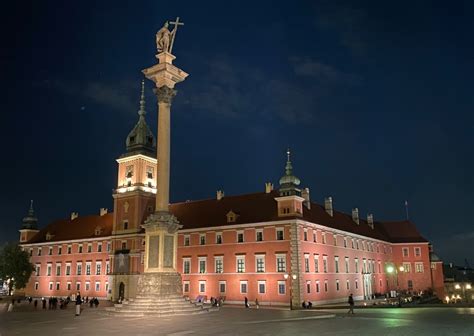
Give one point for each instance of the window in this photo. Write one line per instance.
(107, 267)
(419, 267)
(88, 285)
(97, 286)
(346, 260)
(124, 245)
(380, 267)
(407, 267)
(357, 244)
(334, 238)
(79, 249)
(325, 263)
(345, 242)
(260, 263)
(69, 249)
(38, 269)
(305, 235)
(68, 286)
(259, 235)
(308, 287)
(50, 286)
(98, 267)
(79, 269)
(357, 285)
(356, 265)
(49, 269)
(281, 287)
(88, 268)
(202, 239)
(316, 263)
(323, 237)
(317, 287)
(202, 286)
(106, 287)
(325, 285)
(337, 285)
(281, 262)
(60, 250)
(186, 286)
(218, 238)
(222, 287)
(240, 264)
(186, 240)
(31, 252)
(417, 251)
(202, 264)
(240, 237)
(108, 247)
(433, 266)
(68, 269)
(36, 285)
(99, 247)
(57, 285)
(78, 286)
(410, 284)
(243, 287)
(186, 265)
(336, 264)
(39, 251)
(315, 238)
(405, 252)
(219, 263)
(306, 263)
(50, 251)
(279, 234)
(348, 286)
(364, 265)
(352, 243)
(261, 287)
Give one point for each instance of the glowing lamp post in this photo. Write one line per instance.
(292, 277)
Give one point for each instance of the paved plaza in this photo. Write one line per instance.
(240, 321)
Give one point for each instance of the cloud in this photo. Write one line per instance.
(305, 66)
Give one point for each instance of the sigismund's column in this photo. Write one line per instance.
(161, 227)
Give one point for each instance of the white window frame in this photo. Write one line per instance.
(256, 235)
(240, 233)
(205, 265)
(283, 257)
(68, 268)
(36, 285)
(97, 284)
(417, 251)
(216, 259)
(260, 283)
(219, 234)
(88, 286)
(69, 285)
(186, 283)
(201, 284)
(306, 263)
(98, 268)
(79, 268)
(187, 240)
(246, 283)
(222, 283)
(419, 267)
(316, 263)
(237, 258)
(78, 285)
(281, 283)
(257, 258)
(282, 230)
(58, 285)
(407, 252)
(51, 286)
(186, 260)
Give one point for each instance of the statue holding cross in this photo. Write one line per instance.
(165, 38)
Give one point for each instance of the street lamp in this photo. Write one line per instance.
(293, 276)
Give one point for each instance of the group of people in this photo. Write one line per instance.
(247, 304)
(216, 302)
(307, 304)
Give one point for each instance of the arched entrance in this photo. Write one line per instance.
(121, 291)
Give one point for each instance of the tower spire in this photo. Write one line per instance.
(288, 167)
(30, 221)
(142, 111)
(289, 183)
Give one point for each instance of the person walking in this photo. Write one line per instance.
(350, 301)
(246, 302)
(78, 304)
(43, 300)
(257, 305)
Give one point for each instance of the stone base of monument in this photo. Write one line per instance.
(158, 294)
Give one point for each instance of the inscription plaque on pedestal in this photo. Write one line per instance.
(153, 248)
(168, 251)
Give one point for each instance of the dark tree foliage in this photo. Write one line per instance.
(15, 265)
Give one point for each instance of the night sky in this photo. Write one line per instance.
(375, 100)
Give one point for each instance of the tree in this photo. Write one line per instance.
(15, 266)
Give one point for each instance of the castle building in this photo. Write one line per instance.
(276, 246)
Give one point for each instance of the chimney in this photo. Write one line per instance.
(328, 205)
(370, 220)
(268, 187)
(103, 211)
(220, 195)
(355, 215)
(305, 195)
(74, 215)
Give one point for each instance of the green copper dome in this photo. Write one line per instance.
(141, 140)
(289, 183)
(30, 221)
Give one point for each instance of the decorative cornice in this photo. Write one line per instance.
(165, 94)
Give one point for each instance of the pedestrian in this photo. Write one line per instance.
(256, 303)
(36, 304)
(78, 304)
(30, 299)
(43, 300)
(351, 304)
(91, 302)
(246, 302)
(96, 302)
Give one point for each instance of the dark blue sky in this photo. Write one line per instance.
(375, 99)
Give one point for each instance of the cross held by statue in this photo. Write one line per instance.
(176, 24)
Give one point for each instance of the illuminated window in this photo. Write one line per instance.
(281, 262)
(279, 234)
(186, 265)
(260, 263)
(240, 264)
(219, 264)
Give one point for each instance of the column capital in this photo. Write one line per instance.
(165, 94)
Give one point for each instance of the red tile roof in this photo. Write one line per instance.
(250, 208)
(79, 228)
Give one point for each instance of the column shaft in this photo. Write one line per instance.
(163, 156)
